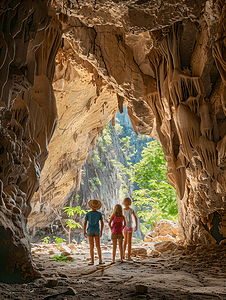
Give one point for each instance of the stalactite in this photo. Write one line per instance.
(188, 126)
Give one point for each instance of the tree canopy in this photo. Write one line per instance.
(154, 197)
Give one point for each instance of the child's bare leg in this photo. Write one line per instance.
(129, 240)
(120, 241)
(97, 241)
(114, 249)
(91, 248)
(125, 243)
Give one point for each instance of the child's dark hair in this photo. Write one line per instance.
(117, 211)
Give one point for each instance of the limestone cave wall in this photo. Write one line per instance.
(164, 60)
(30, 38)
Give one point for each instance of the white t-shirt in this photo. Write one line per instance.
(128, 216)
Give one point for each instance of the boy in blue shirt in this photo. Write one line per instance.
(94, 231)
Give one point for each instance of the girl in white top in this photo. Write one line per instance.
(128, 230)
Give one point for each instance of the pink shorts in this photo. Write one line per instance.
(130, 229)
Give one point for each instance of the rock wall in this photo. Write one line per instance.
(165, 61)
(27, 120)
(86, 103)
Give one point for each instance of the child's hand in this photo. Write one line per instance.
(85, 234)
(135, 229)
(101, 234)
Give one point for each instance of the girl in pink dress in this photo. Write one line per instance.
(116, 224)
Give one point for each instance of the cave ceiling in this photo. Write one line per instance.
(164, 60)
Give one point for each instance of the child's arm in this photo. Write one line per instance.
(85, 224)
(109, 224)
(135, 218)
(101, 227)
(124, 222)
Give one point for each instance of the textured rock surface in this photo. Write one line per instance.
(164, 230)
(160, 59)
(165, 73)
(185, 273)
(27, 118)
(86, 103)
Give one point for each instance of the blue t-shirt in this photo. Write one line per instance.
(93, 218)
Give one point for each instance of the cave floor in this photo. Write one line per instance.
(197, 275)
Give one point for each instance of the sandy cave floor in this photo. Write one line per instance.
(197, 275)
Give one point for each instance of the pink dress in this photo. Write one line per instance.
(117, 225)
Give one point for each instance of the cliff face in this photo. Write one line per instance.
(85, 105)
(164, 60)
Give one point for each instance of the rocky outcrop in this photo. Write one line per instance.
(164, 230)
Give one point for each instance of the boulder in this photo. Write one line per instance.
(148, 238)
(154, 253)
(162, 238)
(141, 251)
(164, 228)
(165, 246)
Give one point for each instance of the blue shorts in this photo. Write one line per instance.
(93, 233)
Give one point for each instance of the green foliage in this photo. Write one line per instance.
(59, 241)
(118, 128)
(46, 239)
(61, 258)
(127, 148)
(105, 139)
(125, 141)
(71, 211)
(107, 135)
(96, 159)
(41, 232)
(94, 182)
(72, 224)
(156, 198)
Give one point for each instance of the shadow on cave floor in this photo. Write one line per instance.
(198, 274)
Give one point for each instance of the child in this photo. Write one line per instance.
(117, 223)
(128, 230)
(94, 231)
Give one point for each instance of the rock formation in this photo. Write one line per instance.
(28, 117)
(165, 61)
(158, 58)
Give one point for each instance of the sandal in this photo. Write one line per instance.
(102, 263)
(90, 264)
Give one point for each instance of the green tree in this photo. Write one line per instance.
(155, 198)
(71, 211)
